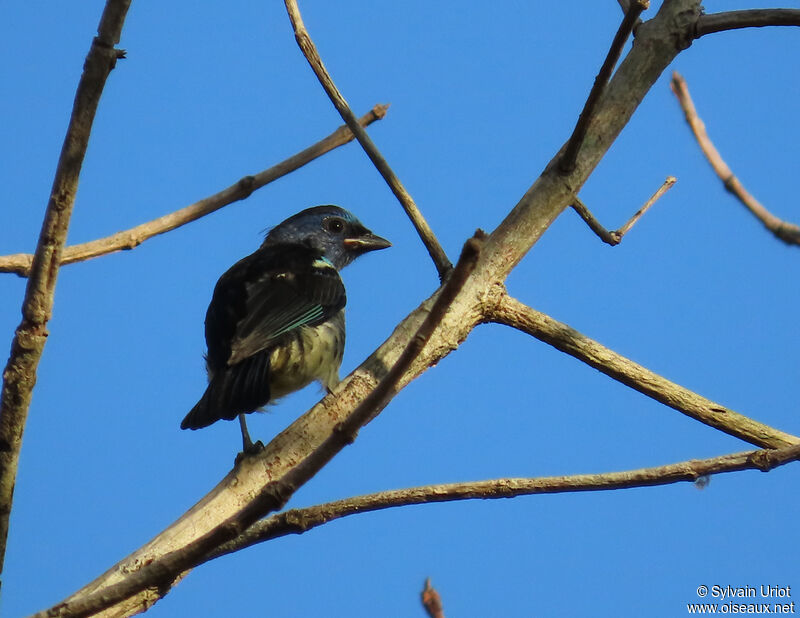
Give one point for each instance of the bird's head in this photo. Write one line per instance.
(333, 231)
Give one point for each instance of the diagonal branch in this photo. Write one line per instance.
(513, 313)
(161, 573)
(749, 18)
(309, 50)
(128, 239)
(614, 237)
(19, 376)
(567, 163)
(787, 232)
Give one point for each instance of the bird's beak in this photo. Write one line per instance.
(366, 242)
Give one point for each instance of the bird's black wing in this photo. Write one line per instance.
(257, 302)
(292, 287)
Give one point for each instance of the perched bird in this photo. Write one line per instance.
(276, 319)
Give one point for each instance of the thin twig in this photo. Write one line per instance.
(431, 600)
(28, 344)
(614, 237)
(568, 159)
(787, 232)
(509, 311)
(749, 18)
(243, 188)
(301, 520)
(309, 50)
(162, 572)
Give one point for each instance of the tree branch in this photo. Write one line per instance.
(19, 376)
(431, 600)
(635, 9)
(787, 232)
(311, 54)
(301, 520)
(750, 18)
(243, 188)
(614, 237)
(513, 313)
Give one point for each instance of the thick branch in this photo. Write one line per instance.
(787, 232)
(513, 313)
(315, 61)
(750, 18)
(632, 13)
(19, 376)
(129, 239)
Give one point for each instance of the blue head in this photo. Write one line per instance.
(331, 230)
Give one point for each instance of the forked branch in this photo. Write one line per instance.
(614, 237)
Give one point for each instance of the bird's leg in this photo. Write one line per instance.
(248, 447)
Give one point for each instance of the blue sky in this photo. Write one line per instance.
(481, 100)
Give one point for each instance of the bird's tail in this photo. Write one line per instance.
(235, 390)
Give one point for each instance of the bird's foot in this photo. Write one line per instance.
(254, 448)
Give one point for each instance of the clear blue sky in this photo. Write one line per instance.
(482, 97)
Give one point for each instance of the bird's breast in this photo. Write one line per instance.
(310, 353)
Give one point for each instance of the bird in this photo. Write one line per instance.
(276, 318)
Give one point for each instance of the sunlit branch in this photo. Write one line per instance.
(787, 232)
(614, 237)
(243, 188)
(19, 376)
(309, 50)
(513, 313)
(567, 163)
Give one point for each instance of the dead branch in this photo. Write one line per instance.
(787, 232)
(614, 237)
(749, 18)
(128, 239)
(632, 13)
(513, 313)
(311, 54)
(19, 376)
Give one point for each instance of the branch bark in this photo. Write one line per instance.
(20, 263)
(787, 232)
(513, 313)
(311, 54)
(299, 521)
(749, 18)
(19, 376)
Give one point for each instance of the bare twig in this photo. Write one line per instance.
(309, 50)
(567, 163)
(301, 520)
(28, 344)
(614, 237)
(513, 313)
(431, 600)
(129, 239)
(750, 18)
(787, 232)
(162, 572)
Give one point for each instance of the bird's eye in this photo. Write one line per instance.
(333, 224)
